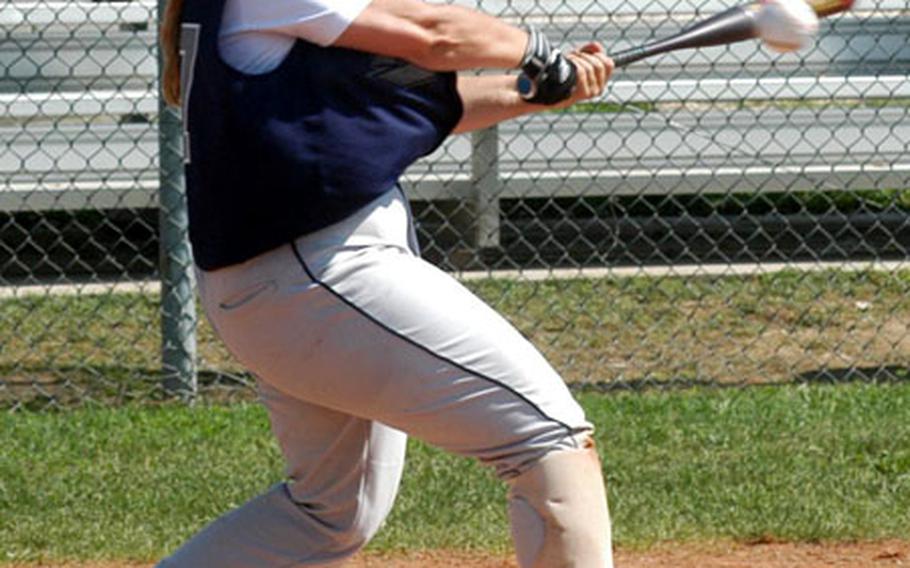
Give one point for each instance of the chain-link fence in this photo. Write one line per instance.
(726, 215)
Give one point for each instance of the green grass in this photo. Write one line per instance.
(776, 327)
(847, 103)
(796, 462)
(609, 107)
(774, 103)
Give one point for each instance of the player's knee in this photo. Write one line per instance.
(366, 523)
(559, 512)
(523, 453)
(350, 523)
(274, 529)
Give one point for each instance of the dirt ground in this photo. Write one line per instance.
(885, 554)
(765, 555)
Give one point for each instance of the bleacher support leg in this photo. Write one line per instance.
(178, 303)
(486, 187)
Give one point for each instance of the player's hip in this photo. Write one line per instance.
(351, 319)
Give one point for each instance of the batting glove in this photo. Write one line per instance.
(547, 77)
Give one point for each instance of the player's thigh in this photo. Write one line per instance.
(380, 334)
(438, 342)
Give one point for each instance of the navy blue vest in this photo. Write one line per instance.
(272, 157)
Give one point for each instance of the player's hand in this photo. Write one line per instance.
(593, 69)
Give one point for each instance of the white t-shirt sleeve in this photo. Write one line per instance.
(256, 35)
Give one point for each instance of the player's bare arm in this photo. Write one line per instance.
(438, 37)
(491, 99)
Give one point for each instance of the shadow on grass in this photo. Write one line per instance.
(874, 374)
(42, 388)
(879, 374)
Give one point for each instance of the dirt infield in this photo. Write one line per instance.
(886, 554)
(765, 555)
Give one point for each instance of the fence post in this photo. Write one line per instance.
(178, 304)
(486, 186)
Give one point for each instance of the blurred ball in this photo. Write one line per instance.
(786, 25)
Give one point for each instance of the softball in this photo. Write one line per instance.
(786, 25)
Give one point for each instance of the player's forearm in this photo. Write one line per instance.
(489, 100)
(438, 37)
(468, 39)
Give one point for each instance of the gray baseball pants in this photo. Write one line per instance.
(355, 341)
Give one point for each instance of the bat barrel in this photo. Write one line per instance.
(730, 26)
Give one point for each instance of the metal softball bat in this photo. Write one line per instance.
(730, 26)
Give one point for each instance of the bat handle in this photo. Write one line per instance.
(628, 56)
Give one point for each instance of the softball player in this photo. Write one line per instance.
(300, 116)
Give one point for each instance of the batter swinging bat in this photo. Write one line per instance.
(730, 26)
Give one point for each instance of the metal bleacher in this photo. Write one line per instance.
(78, 100)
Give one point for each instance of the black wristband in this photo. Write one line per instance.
(547, 77)
(537, 53)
